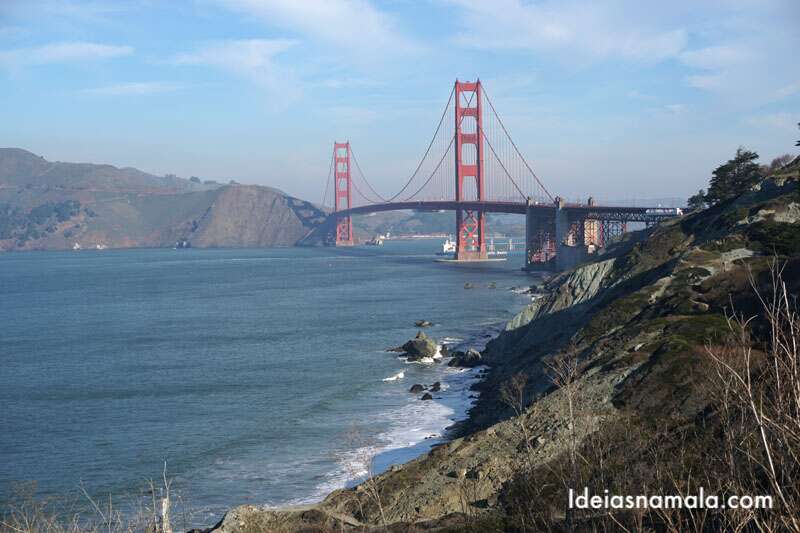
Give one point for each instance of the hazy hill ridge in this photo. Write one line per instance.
(56, 205)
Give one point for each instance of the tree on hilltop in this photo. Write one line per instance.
(734, 177)
(697, 201)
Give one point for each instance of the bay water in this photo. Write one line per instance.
(257, 376)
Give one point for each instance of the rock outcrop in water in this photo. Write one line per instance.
(418, 348)
(468, 359)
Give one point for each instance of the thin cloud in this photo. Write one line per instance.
(61, 52)
(636, 95)
(78, 10)
(251, 59)
(774, 121)
(355, 26)
(354, 115)
(133, 89)
(748, 54)
(582, 29)
(787, 90)
(747, 73)
(717, 56)
(348, 83)
(675, 109)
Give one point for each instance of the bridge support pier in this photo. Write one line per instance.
(540, 248)
(471, 244)
(560, 239)
(342, 193)
(571, 247)
(470, 224)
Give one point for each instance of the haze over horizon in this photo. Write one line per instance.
(621, 101)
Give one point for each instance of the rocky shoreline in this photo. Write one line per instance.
(422, 349)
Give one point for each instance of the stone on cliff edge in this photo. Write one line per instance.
(427, 396)
(436, 387)
(415, 388)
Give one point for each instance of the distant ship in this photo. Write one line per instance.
(503, 250)
(448, 247)
(377, 240)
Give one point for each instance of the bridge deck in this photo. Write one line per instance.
(629, 214)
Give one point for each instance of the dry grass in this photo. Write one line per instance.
(26, 512)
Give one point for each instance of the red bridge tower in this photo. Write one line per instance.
(470, 225)
(342, 197)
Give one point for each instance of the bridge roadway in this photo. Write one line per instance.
(621, 213)
(555, 232)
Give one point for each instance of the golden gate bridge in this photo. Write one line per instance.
(473, 167)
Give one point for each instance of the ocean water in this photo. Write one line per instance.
(258, 376)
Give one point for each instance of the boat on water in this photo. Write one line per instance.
(497, 251)
(377, 240)
(448, 247)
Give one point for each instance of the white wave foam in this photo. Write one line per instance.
(399, 375)
(413, 429)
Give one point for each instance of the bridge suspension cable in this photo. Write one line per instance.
(439, 164)
(415, 174)
(363, 177)
(361, 194)
(328, 182)
(489, 144)
(513, 144)
(444, 154)
(428, 149)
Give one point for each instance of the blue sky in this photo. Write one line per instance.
(620, 99)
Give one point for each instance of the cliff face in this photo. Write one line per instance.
(246, 216)
(636, 321)
(55, 206)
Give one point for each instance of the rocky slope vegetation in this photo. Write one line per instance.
(52, 205)
(609, 364)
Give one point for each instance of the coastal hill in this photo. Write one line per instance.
(621, 375)
(53, 205)
(48, 205)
